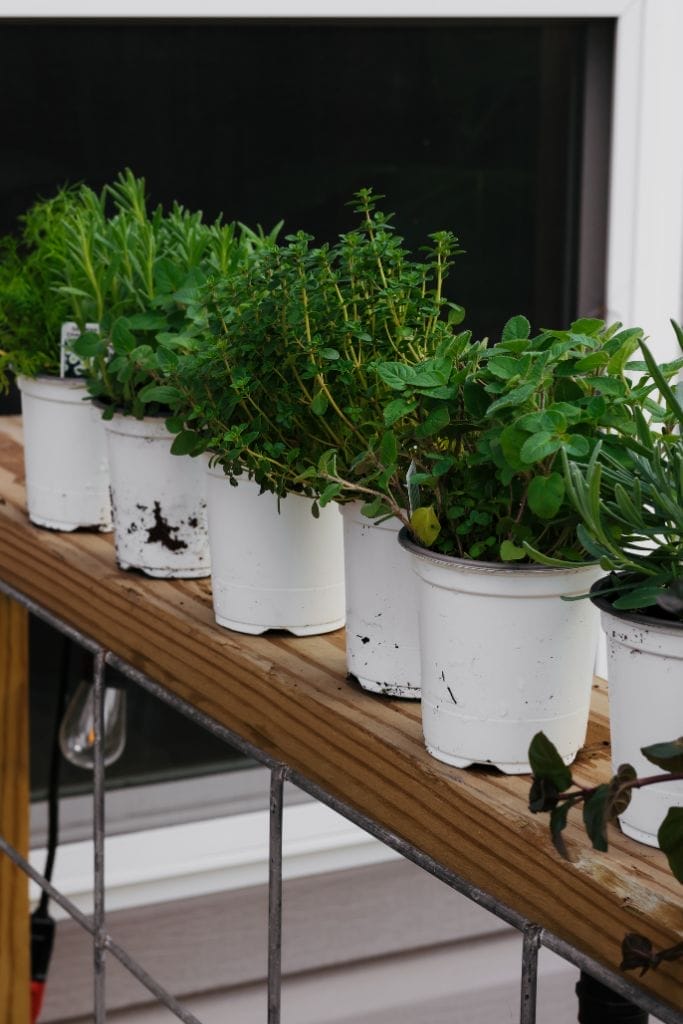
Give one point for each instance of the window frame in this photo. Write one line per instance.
(645, 214)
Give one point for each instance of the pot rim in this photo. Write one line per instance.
(475, 565)
(638, 618)
(49, 378)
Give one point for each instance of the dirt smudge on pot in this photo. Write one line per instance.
(162, 532)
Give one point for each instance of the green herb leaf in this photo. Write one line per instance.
(425, 525)
(539, 446)
(546, 762)
(510, 552)
(668, 756)
(185, 443)
(388, 449)
(558, 822)
(319, 404)
(595, 817)
(546, 494)
(670, 838)
(516, 327)
(395, 410)
(163, 393)
(436, 421)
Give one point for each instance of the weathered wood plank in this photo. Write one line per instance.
(14, 796)
(290, 697)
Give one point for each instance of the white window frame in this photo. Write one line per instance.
(645, 218)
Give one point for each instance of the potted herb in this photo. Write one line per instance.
(301, 336)
(67, 480)
(500, 650)
(153, 262)
(631, 509)
(274, 565)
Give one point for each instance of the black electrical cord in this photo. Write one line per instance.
(42, 924)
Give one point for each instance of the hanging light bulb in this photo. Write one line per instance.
(77, 731)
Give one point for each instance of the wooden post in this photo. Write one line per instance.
(14, 813)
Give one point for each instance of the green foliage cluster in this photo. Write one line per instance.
(285, 386)
(140, 269)
(489, 427)
(31, 270)
(554, 791)
(631, 505)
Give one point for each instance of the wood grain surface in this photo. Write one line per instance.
(290, 697)
(14, 787)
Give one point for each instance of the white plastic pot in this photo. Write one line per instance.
(65, 454)
(645, 672)
(273, 569)
(158, 501)
(382, 649)
(503, 657)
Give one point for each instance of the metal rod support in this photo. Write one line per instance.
(277, 779)
(530, 948)
(99, 945)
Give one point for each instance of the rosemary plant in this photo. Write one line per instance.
(142, 270)
(631, 506)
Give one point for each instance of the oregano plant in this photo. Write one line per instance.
(487, 426)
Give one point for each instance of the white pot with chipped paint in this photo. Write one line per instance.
(158, 501)
(645, 673)
(382, 649)
(273, 565)
(65, 455)
(503, 656)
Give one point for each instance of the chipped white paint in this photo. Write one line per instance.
(158, 501)
(382, 649)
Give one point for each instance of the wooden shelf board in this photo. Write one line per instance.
(290, 696)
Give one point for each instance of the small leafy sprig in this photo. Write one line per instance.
(555, 791)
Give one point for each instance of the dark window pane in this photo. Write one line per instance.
(472, 126)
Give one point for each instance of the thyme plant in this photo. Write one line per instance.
(284, 386)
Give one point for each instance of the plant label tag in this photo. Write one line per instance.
(71, 365)
(413, 489)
